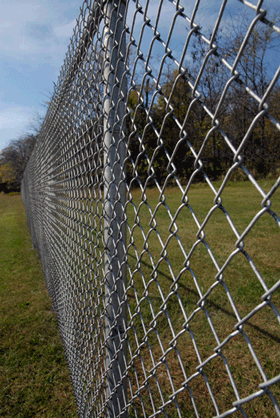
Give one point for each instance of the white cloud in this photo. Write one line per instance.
(31, 28)
(15, 121)
(65, 30)
(34, 39)
(14, 116)
(4, 25)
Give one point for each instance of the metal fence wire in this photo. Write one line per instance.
(152, 201)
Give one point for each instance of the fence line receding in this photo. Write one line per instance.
(152, 198)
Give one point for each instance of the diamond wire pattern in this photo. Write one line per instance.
(146, 285)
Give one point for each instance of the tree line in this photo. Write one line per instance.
(160, 135)
(13, 160)
(156, 131)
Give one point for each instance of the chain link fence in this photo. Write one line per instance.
(152, 199)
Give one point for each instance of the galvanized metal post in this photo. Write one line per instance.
(114, 204)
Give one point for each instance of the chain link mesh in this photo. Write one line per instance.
(165, 281)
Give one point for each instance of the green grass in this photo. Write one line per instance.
(164, 305)
(34, 378)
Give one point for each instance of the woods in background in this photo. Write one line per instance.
(13, 160)
(171, 125)
(170, 129)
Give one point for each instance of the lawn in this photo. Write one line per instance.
(34, 378)
(179, 312)
(186, 350)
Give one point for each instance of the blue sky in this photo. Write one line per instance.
(34, 37)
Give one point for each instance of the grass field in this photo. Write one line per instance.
(170, 329)
(174, 332)
(34, 378)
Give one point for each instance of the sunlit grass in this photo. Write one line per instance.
(168, 331)
(164, 294)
